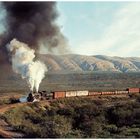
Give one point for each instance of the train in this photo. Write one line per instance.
(77, 93)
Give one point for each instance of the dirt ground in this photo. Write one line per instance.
(6, 131)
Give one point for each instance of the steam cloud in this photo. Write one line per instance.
(23, 63)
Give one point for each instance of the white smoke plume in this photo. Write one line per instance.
(24, 64)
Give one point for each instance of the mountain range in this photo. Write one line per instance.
(97, 63)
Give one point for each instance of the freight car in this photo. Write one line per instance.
(82, 93)
(93, 93)
(71, 93)
(121, 92)
(133, 90)
(59, 94)
(107, 93)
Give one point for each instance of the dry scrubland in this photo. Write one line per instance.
(74, 81)
(79, 117)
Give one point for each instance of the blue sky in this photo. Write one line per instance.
(107, 28)
(86, 20)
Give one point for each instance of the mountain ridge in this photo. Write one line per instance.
(75, 62)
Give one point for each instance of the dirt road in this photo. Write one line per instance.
(6, 131)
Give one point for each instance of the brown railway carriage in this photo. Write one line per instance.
(108, 92)
(133, 90)
(59, 94)
(121, 92)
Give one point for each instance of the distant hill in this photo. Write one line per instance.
(73, 62)
(81, 63)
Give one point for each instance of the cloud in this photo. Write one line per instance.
(120, 38)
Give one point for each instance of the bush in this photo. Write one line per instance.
(13, 100)
(57, 126)
(4, 101)
(112, 128)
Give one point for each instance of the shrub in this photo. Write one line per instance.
(4, 101)
(57, 127)
(112, 128)
(13, 100)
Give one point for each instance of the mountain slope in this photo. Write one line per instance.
(74, 62)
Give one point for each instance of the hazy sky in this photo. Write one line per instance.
(107, 28)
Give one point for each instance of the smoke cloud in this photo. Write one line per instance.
(33, 23)
(24, 63)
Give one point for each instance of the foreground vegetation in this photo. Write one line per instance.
(78, 118)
